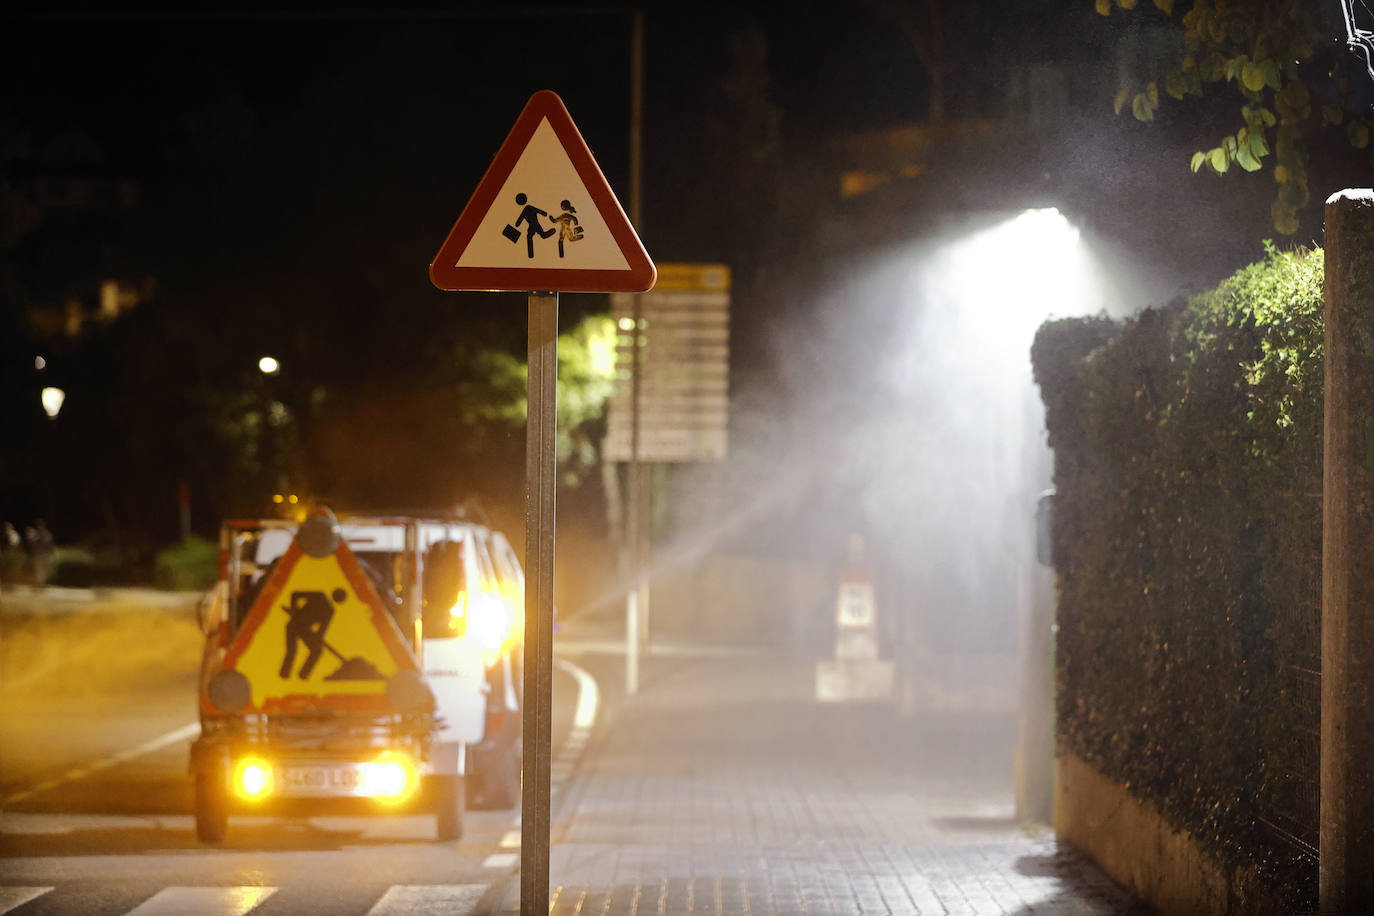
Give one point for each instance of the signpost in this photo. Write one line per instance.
(670, 403)
(682, 339)
(543, 220)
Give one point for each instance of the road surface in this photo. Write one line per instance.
(97, 711)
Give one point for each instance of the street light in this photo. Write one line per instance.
(52, 401)
(269, 366)
(999, 285)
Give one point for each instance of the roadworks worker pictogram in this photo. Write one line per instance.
(311, 613)
(312, 608)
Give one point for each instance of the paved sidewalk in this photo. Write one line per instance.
(723, 788)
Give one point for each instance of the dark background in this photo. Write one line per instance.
(277, 182)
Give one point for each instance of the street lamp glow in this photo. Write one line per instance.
(52, 400)
(966, 302)
(1003, 282)
(268, 365)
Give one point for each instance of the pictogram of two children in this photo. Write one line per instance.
(565, 224)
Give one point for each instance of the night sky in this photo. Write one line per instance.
(420, 77)
(296, 171)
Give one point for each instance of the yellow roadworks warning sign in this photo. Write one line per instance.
(318, 635)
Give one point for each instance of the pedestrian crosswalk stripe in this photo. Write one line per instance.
(500, 860)
(428, 899)
(205, 901)
(510, 839)
(11, 897)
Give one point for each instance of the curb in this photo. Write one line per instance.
(54, 599)
(563, 769)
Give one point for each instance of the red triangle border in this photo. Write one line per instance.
(444, 272)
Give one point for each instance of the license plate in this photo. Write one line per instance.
(320, 780)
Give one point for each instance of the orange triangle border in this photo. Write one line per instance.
(381, 621)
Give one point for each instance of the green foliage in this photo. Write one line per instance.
(1059, 355)
(71, 567)
(1187, 536)
(1266, 49)
(191, 565)
(586, 377)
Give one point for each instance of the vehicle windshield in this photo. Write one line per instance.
(259, 551)
(385, 571)
(445, 590)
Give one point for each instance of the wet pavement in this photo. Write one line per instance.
(723, 787)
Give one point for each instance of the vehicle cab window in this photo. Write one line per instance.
(444, 591)
(258, 555)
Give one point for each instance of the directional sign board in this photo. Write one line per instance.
(543, 218)
(683, 345)
(318, 635)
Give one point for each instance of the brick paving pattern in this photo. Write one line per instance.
(722, 788)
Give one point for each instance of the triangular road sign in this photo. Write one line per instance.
(318, 635)
(543, 218)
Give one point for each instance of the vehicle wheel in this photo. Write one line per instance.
(450, 804)
(212, 804)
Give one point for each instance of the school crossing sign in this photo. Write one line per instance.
(543, 218)
(318, 635)
(542, 221)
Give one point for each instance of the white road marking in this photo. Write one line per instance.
(584, 717)
(657, 650)
(11, 897)
(186, 732)
(588, 699)
(204, 901)
(501, 860)
(428, 899)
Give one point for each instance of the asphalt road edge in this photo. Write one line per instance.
(564, 767)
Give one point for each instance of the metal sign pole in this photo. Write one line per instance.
(540, 457)
(633, 514)
(633, 537)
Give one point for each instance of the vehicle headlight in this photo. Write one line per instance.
(489, 621)
(391, 778)
(253, 779)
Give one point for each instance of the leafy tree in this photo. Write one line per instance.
(1272, 52)
(586, 377)
(924, 25)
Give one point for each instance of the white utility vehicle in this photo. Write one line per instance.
(362, 658)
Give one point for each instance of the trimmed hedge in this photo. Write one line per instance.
(1187, 537)
(192, 565)
(70, 567)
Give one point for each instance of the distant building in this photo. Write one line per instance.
(40, 199)
(111, 299)
(1021, 105)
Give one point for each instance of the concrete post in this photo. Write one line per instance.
(1347, 756)
(1034, 761)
